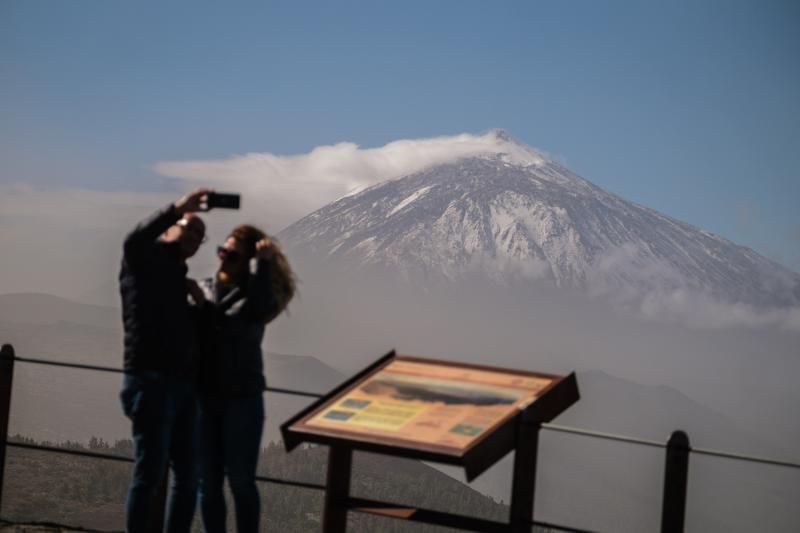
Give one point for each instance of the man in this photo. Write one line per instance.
(160, 347)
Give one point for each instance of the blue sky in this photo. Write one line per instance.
(692, 108)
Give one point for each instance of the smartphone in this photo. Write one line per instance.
(223, 200)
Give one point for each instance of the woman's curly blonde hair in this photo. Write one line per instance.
(284, 281)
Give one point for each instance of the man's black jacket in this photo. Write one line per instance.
(159, 329)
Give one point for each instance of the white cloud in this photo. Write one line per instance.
(699, 310)
(631, 265)
(68, 241)
(626, 273)
(279, 189)
(507, 269)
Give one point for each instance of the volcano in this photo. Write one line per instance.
(514, 215)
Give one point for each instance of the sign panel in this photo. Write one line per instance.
(423, 403)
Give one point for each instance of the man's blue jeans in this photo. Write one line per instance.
(162, 411)
(229, 443)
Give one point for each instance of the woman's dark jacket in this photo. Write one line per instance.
(232, 324)
(159, 328)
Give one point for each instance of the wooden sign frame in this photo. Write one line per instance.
(475, 457)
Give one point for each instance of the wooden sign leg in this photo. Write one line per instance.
(337, 490)
(523, 485)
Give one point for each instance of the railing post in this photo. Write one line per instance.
(6, 381)
(676, 476)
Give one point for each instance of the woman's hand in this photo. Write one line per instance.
(198, 297)
(265, 249)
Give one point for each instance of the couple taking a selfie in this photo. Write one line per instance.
(194, 376)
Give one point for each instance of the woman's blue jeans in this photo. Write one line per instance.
(229, 443)
(162, 411)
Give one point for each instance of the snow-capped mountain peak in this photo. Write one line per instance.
(513, 215)
(509, 150)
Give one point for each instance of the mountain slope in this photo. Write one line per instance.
(516, 215)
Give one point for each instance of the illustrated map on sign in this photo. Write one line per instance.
(427, 403)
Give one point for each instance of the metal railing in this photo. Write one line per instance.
(677, 452)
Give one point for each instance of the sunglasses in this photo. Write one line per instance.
(228, 255)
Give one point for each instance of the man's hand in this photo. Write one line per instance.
(194, 201)
(196, 293)
(265, 249)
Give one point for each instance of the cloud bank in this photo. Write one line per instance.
(625, 277)
(702, 311)
(280, 189)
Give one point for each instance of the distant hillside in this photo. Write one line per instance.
(303, 373)
(615, 405)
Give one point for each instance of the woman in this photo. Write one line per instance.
(240, 300)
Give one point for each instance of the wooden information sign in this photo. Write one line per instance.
(441, 411)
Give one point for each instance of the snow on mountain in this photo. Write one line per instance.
(513, 214)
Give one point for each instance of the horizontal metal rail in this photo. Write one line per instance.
(82, 366)
(69, 451)
(56, 525)
(428, 516)
(656, 444)
(604, 436)
(746, 458)
(548, 427)
(293, 392)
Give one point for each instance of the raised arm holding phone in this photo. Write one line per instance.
(159, 389)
